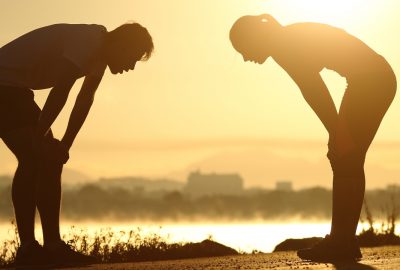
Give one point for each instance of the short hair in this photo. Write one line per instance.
(137, 36)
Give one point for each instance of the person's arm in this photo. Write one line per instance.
(82, 105)
(317, 95)
(56, 100)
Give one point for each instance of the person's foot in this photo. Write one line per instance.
(62, 254)
(329, 250)
(31, 256)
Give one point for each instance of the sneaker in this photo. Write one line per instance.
(31, 256)
(64, 255)
(328, 250)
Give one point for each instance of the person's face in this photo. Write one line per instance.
(250, 40)
(122, 58)
(255, 58)
(251, 51)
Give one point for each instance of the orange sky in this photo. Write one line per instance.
(195, 98)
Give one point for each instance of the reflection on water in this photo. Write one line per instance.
(243, 237)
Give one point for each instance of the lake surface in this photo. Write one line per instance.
(240, 236)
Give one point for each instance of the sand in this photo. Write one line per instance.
(373, 258)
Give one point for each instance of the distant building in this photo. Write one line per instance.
(140, 184)
(200, 184)
(284, 186)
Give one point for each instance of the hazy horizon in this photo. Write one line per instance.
(260, 162)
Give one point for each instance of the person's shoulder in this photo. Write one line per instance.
(81, 44)
(79, 28)
(88, 27)
(84, 33)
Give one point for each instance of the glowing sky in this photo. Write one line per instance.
(196, 97)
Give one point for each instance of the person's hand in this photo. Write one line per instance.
(52, 150)
(331, 147)
(57, 151)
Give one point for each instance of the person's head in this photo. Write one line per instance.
(126, 45)
(251, 36)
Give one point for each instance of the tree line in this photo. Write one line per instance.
(93, 202)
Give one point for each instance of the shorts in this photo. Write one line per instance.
(17, 109)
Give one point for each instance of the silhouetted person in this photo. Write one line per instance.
(54, 57)
(303, 50)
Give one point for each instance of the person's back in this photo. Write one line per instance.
(34, 60)
(315, 46)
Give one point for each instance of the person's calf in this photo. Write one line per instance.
(23, 197)
(48, 199)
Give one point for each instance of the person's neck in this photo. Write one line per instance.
(103, 51)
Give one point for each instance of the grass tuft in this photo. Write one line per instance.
(111, 247)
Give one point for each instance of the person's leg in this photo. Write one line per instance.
(48, 198)
(23, 187)
(37, 181)
(363, 107)
(361, 112)
(347, 196)
(18, 116)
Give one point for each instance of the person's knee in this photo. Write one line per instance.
(26, 159)
(349, 164)
(29, 154)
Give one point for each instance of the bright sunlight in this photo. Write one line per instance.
(336, 12)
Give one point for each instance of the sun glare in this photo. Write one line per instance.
(340, 12)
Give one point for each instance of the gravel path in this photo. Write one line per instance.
(373, 258)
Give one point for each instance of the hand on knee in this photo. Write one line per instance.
(348, 165)
(340, 144)
(53, 151)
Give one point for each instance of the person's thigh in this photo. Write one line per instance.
(363, 107)
(17, 108)
(19, 115)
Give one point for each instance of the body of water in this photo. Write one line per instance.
(240, 236)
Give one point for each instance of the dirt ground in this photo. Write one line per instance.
(373, 258)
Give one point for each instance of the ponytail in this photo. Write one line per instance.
(267, 18)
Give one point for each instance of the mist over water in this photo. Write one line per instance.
(242, 237)
(241, 218)
(245, 237)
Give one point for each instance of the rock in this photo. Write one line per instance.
(297, 244)
(206, 248)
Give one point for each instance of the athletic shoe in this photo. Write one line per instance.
(31, 256)
(64, 255)
(329, 250)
